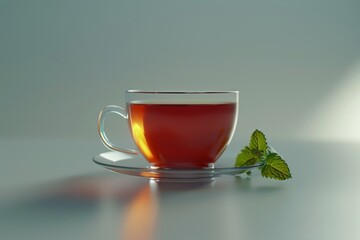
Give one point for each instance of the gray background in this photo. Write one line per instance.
(295, 63)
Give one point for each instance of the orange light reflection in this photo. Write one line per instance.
(138, 132)
(141, 216)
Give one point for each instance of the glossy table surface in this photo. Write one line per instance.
(51, 189)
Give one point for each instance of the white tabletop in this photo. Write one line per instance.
(51, 189)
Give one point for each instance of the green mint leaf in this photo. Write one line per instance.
(258, 151)
(275, 167)
(246, 158)
(258, 141)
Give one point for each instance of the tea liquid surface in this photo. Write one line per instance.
(182, 135)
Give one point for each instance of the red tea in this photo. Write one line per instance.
(182, 135)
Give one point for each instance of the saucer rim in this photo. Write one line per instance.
(209, 172)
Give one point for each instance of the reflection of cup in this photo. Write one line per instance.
(141, 215)
(177, 129)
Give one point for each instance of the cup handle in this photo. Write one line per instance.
(101, 129)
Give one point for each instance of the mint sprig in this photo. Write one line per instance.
(258, 151)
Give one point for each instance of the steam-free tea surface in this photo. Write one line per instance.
(182, 135)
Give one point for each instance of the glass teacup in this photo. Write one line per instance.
(177, 130)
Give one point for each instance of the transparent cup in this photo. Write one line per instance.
(176, 130)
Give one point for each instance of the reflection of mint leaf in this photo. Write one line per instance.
(275, 167)
(258, 141)
(245, 158)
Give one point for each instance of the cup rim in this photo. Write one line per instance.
(179, 92)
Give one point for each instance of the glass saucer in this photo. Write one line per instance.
(136, 165)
